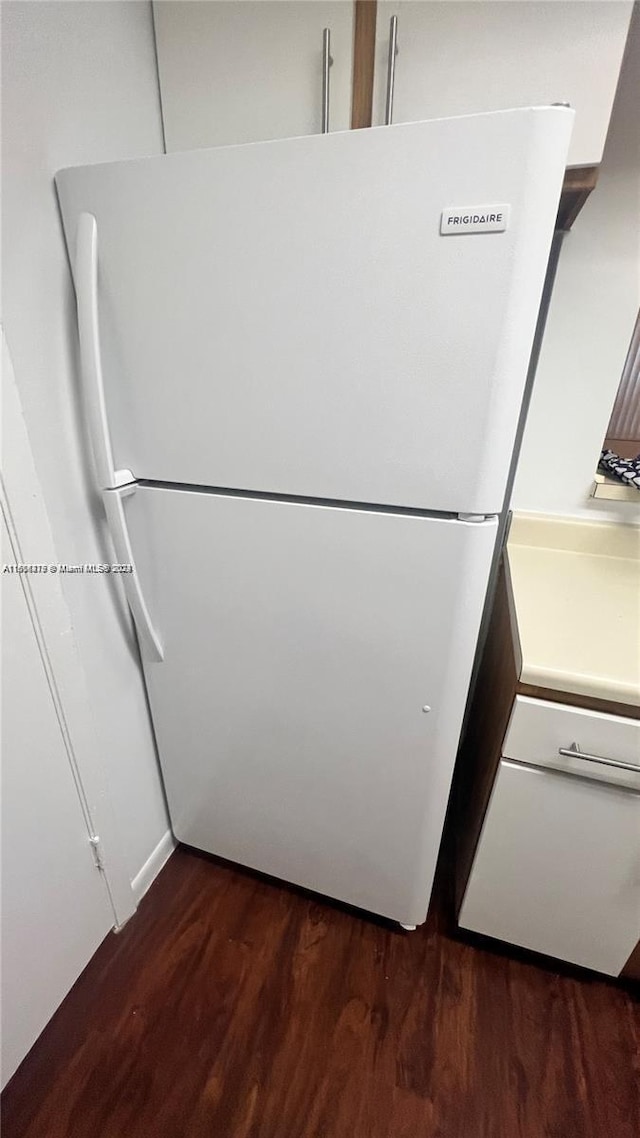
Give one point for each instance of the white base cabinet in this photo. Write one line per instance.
(557, 868)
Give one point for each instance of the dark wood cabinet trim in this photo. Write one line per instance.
(578, 183)
(590, 703)
(631, 970)
(364, 54)
(482, 744)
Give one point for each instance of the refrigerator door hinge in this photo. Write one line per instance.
(475, 517)
(123, 479)
(96, 850)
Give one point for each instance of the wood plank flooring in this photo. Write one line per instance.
(230, 1007)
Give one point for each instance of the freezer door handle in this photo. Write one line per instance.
(114, 509)
(86, 282)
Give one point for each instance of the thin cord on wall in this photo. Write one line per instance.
(155, 53)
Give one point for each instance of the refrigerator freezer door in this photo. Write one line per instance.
(302, 645)
(300, 317)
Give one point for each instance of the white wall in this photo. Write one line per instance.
(55, 904)
(79, 85)
(591, 318)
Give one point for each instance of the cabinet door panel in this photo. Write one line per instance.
(244, 72)
(557, 868)
(459, 57)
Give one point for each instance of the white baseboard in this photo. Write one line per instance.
(152, 866)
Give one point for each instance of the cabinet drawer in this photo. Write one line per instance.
(557, 868)
(538, 730)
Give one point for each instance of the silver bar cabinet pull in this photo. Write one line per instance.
(391, 69)
(327, 62)
(574, 752)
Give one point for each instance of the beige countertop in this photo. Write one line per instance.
(575, 605)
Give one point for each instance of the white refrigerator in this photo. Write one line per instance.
(303, 364)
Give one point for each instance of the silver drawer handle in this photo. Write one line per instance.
(574, 752)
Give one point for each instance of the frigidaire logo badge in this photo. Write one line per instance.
(474, 219)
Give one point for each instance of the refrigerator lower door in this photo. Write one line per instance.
(316, 664)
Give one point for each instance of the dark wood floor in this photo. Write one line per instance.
(232, 1007)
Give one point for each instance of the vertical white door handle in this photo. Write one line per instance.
(114, 509)
(110, 482)
(85, 273)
